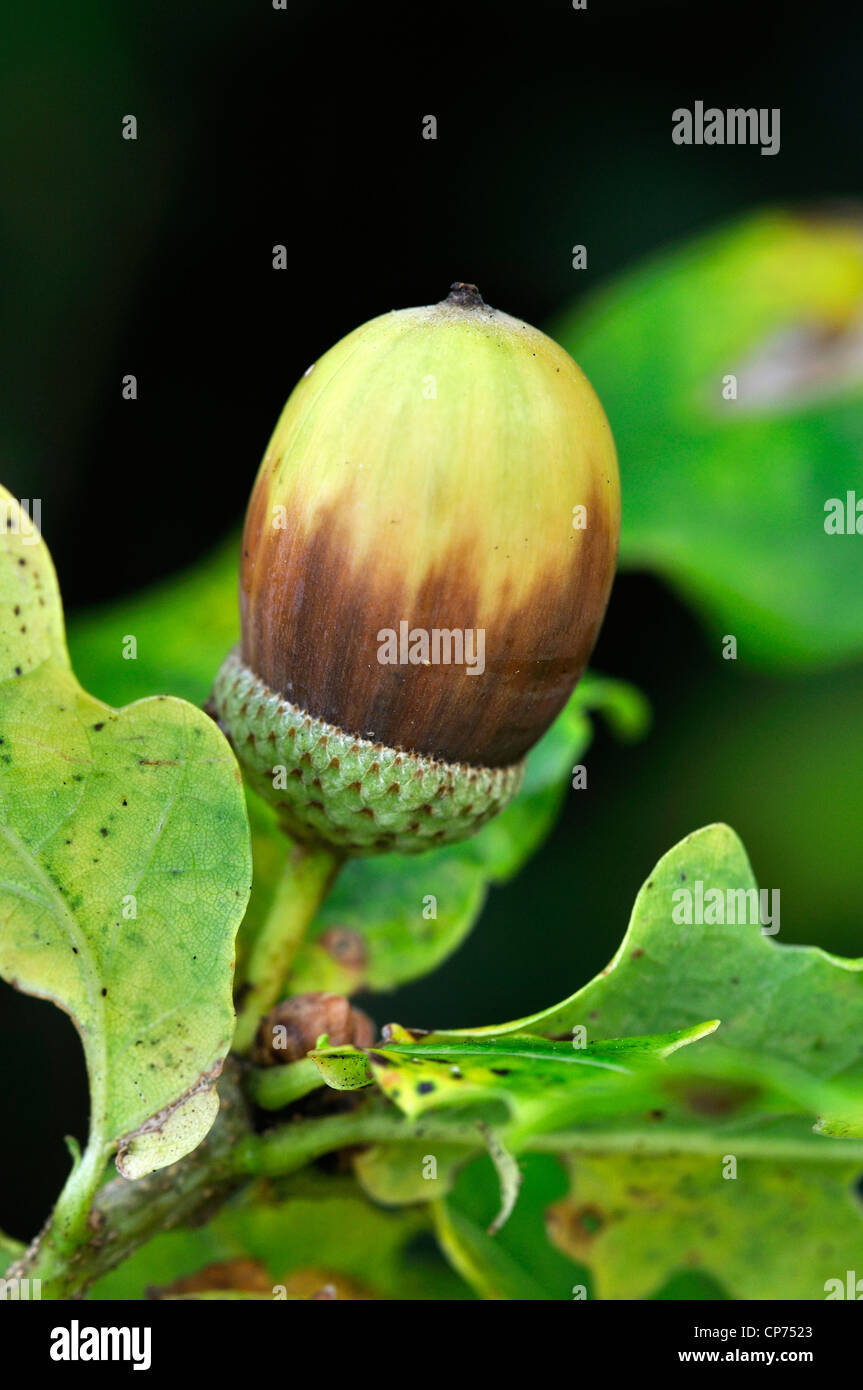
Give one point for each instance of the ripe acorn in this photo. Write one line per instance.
(427, 557)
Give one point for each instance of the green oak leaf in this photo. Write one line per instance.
(635, 1220)
(344, 1068)
(792, 1005)
(720, 492)
(401, 1174)
(520, 1089)
(632, 1095)
(537, 1081)
(124, 872)
(375, 930)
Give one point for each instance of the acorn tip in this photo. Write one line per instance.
(464, 296)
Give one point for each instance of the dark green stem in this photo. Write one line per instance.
(125, 1214)
(281, 1151)
(272, 1088)
(306, 879)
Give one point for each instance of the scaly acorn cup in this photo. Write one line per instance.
(427, 558)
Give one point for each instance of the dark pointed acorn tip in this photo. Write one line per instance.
(465, 296)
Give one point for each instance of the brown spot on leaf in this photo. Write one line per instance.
(713, 1099)
(574, 1228)
(345, 946)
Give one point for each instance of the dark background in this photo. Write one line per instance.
(258, 127)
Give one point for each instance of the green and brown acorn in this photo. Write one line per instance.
(427, 557)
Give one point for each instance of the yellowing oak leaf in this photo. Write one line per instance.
(124, 873)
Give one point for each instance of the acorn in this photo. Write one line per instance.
(427, 558)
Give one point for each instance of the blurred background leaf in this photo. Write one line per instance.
(519, 1262)
(183, 629)
(725, 498)
(638, 1220)
(312, 1223)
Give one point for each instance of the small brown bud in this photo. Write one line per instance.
(292, 1028)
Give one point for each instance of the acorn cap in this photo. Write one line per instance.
(417, 601)
(361, 797)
